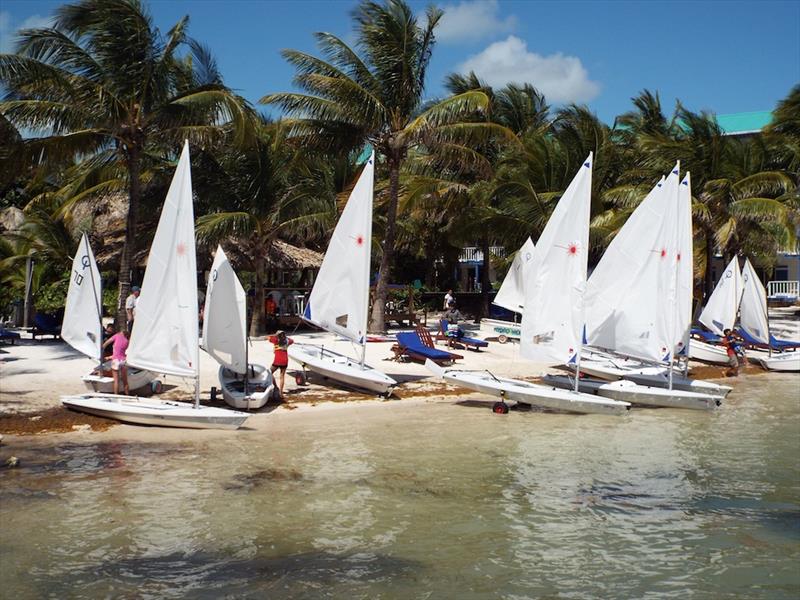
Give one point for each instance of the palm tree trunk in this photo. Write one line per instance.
(257, 324)
(484, 308)
(128, 248)
(377, 322)
(709, 280)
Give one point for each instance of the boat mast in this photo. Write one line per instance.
(197, 365)
(95, 287)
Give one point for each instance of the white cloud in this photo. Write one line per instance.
(8, 29)
(473, 20)
(560, 78)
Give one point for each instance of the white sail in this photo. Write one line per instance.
(685, 264)
(165, 331)
(82, 327)
(555, 278)
(511, 294)
(225, 316)
(753, 317)
(631, 295)
(339, 299)
(720, 311)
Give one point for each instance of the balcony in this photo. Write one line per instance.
(473, 254)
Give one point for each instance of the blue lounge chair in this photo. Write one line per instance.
(774, 342)
(411, 345)
(45, 325)
(706, 336)
(467, 342)
(8, 336)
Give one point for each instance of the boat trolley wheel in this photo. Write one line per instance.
(502, 338)
(156, 387)
(500, 408)
(300, 379)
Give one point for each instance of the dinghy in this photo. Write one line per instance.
(244, 385)
(628, 391)
(754, 319)
(552, 319)
(639, 296)
(83, 329)
(511, 296)
(152, 411)
(719, 314)
(339, 300)
(165, 337)
(523, 392)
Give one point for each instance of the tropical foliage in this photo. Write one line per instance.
(111, 98)
(110, 95)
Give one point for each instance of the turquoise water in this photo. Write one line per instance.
(420, 501)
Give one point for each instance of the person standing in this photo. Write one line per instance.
(448, 298)
(130, 306)
(119, 358)
(281, 343)
(729, 341)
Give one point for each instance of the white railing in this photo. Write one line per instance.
(784, 289)
(475, 254)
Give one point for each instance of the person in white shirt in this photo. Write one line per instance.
(448, 298)
(130, 306)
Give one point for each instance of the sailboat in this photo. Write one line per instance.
(244, 385)
(638, 298)
(552, 315)
(511, 295)
(754, 319)
(82, 327)
(339, 300)
(719, 314)
(165, 337)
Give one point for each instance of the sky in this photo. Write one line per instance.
(722, 56)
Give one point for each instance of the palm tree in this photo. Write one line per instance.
(375, 97)
(784, 132)
(270, 190)
(107, 88)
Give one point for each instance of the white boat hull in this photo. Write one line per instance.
(709, 353)
(153, 411)
(628, 391)
(502, 330)
(104, 384)
(534, 394)
(679, 382)
(612, 370)
(341, 368)
(616, 369)
(786, 361)
(260, 387)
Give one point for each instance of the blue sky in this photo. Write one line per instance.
(722, 56)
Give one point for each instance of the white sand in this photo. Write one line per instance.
(34, 374)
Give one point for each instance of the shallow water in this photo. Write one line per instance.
(422, 501)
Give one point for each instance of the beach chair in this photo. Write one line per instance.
(774, 342)
(45, 325)
(8, 336)
(706, 336)
(412, 346)
(467, 342)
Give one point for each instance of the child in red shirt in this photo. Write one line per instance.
(281, 345)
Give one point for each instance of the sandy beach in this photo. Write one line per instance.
(34, 374)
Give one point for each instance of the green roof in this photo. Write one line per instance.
(748, 122)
